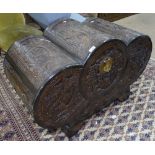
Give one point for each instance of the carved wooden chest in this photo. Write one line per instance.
(75, 70)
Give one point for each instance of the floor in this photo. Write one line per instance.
(144, 23)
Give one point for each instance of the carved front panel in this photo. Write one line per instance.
(60, 100)
(103, 72)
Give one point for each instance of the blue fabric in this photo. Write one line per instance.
(77, 17)
(45, 19)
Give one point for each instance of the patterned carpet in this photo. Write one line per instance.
(133, 119)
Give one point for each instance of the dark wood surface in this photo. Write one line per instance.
(114, 16)
(92, 49)
(46, 79)
(139, 46)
